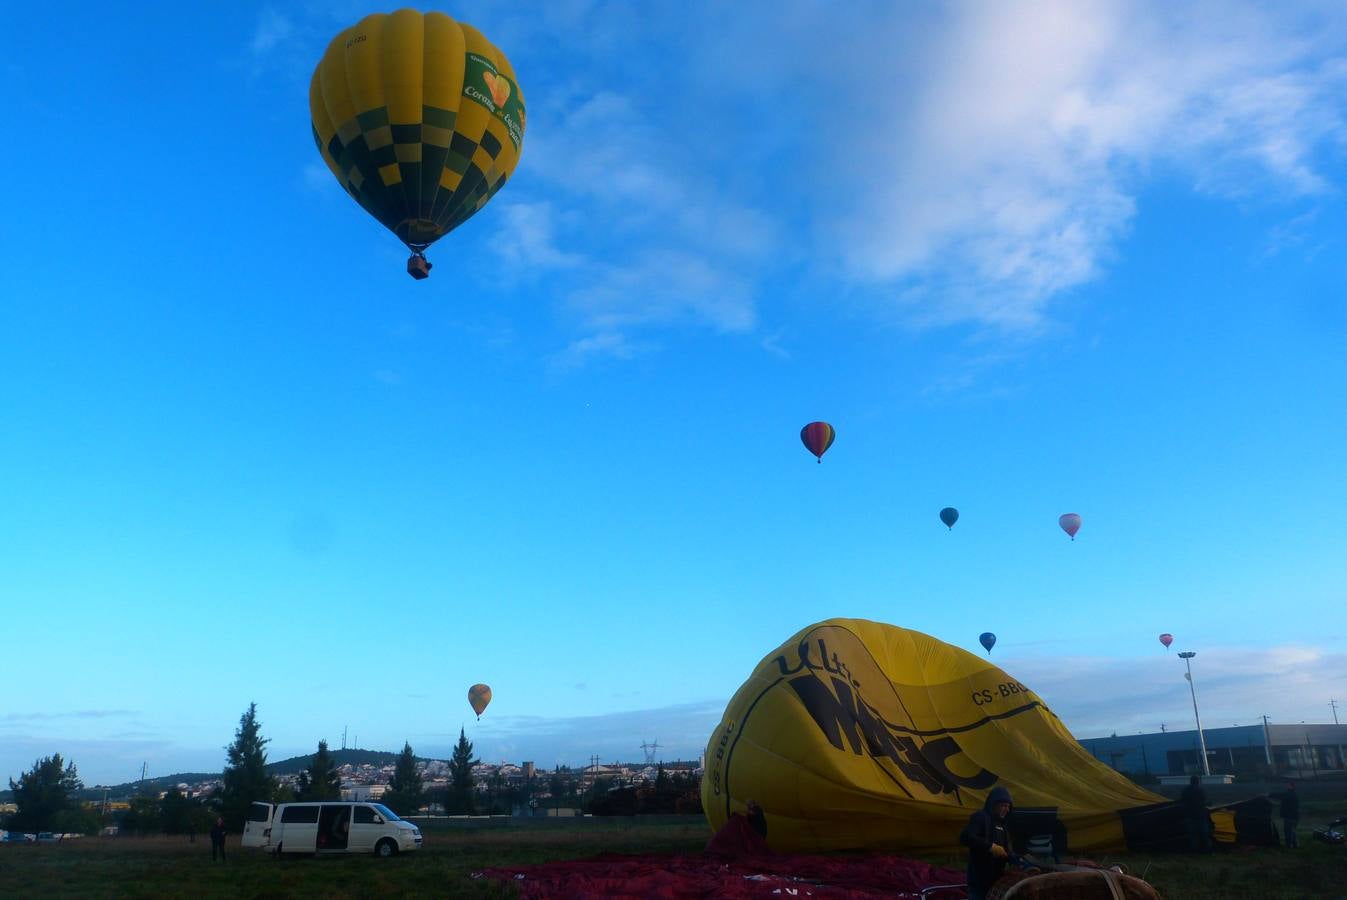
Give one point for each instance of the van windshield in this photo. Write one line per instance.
(388, 814)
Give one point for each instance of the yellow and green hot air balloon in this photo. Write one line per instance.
(479, 695)
(421, 120)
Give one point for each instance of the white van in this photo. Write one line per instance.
(329, 827)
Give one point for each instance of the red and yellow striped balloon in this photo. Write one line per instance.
(817, 438)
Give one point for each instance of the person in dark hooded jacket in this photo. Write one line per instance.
(1290, 814)
(987, 838)
(1196, 816)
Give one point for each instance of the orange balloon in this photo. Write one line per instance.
(479, 695)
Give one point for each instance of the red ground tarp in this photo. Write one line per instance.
(619, 877)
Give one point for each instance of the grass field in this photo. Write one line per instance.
(171, 867)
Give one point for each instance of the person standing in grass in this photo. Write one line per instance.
(1196, 816)
(1290, 815)
(217, 839)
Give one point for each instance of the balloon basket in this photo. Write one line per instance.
(418, 267)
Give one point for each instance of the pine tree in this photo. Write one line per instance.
(175, 812)
(460, 776)
(405, 792)
(43, 793)
(320, 781)
(245, 775)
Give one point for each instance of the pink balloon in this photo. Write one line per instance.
(1166, 639)
(1070, 523)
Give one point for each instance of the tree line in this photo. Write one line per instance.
(246, 779)
(46, 795)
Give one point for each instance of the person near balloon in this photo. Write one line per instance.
(1196, 816)
(757, 819)
(987, 837)
(1290, 811)
(743, 834)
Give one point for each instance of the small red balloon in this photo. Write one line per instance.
(817, 438)
(1070, 523)
(1166, 639)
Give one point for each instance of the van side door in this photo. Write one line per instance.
(334, 826)
(366, 829)
(298, 828)
(257, 830)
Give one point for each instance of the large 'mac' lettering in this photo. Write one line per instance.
(845, 713)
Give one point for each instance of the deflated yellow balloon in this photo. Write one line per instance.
(859, 735)
(420, 119)
(479, 695)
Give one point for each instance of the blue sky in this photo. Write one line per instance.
(1034, 259)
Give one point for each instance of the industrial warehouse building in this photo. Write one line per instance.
(1298, 751)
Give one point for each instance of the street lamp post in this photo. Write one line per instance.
(1202, 741)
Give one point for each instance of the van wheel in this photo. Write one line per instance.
(385, 848)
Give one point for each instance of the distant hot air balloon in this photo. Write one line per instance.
(1070, 523)
(949, 515)
(420, 119)
(987, 640)
(479, 695)
(1166, 639)
(818, 437)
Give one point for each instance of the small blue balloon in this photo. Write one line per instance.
(949, 515)
(988, 640)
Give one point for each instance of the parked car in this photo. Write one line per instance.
(330, 827)
(1333, 832)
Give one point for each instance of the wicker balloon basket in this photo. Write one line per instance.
(1075, 884)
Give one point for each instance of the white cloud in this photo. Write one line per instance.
(1007, 172)
(601, 344)
(1295, 233)
(649, 240)
(1235, 685)
(272, 30)
(662, 287)
(682, 731)
(317, 177)
(74, 714)
(107, 746)
(531, 238)
(772, 344)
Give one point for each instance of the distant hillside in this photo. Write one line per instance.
(296, 764)
(292, 766)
